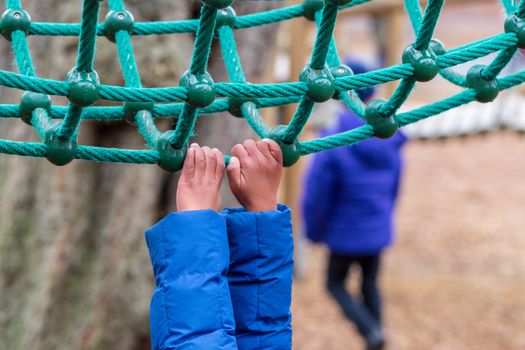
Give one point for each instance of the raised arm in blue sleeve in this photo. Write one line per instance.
(260, 277)
(191, 306)
(317, 196)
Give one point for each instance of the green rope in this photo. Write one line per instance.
(232, 62)
(199, 62)
(502, 60)
(350, 98)
(413, 8)
(143, 118)
(252, 96)
(88, 36)
(424, 34)
(510, 6)
(254, 119)
(415, 14)
(428, 24)
(22, 54)
(399, 97)
(299, 119)
(85, 59)
(184, 127)
(318, 61)
(201, 52)
(40, 119)
(117, 93)
(324, 36)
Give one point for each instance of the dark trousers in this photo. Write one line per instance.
(365, 314)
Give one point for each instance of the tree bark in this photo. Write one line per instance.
(74, 268)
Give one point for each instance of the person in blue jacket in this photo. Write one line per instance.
(348, 204)
(224, 278)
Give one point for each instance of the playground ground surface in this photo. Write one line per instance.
(455, 278)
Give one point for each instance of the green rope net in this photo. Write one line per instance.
(322, 79)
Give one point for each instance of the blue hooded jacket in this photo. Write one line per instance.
(223, 280)
(350, 192)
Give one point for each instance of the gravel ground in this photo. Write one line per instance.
(455, 278)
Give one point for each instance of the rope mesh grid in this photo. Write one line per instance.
(238, 93)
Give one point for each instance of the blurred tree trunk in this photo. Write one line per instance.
(74, 268)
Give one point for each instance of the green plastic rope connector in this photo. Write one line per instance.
(514, 24)
(200, 87)
(311, 7)
(132, 108)
(171, 159)
(384, 126)
(31, 101)
(291, 151)
(486, 90)
(83, 87)
(116, 21)
(340, 71)
(237, 93)
(13, 20)
(218, 4)
(236, 103)
(424, 63)
(320, 83)
(437, 47)
(60, 150)
(225, 17)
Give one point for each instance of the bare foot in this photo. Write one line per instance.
(254, 174)
(200, 179)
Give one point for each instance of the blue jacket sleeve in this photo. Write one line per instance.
(317, 196)
(191, 305)
(260, 277)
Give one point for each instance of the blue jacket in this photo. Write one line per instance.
(223, 280)
(349, 194)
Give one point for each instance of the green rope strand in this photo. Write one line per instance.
(85, 59)
(199, 62)
(40, 119)
(254, 119)
(324, 36)
(227, 93)
(425, 32)
(230, 55)
(318, 61)
(521, 9)
(510, 6)
(423, 37)
(415, 13)
(41, 122)
(147, 128)
(69, 127)
(501, 61)
(151, 157)
(236, 73)
(13, 4)
(351, 99)
(247, 90)
(88, 35)
(22, 53)
(399, 97)
(184, 127)
(299, 119)
(201, 52)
